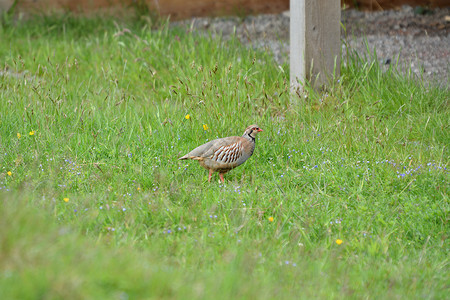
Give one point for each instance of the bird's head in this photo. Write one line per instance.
(252, 131)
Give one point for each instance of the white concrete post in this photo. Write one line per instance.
(314, 41)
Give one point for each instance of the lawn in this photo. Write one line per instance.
(346, 195)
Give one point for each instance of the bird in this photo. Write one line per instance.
(224, 154)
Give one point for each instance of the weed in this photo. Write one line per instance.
(345, 196)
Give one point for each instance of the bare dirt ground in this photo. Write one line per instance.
(415, 39)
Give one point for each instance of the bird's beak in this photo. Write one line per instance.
(259, 130)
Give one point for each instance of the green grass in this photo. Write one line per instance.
(365, 161)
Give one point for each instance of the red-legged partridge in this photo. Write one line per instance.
(225, 154)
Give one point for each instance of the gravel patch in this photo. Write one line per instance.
(414, 39)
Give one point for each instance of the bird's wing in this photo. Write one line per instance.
(224, 150)
(227, 152)
(199, 151)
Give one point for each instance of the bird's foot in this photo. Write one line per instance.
(209, 176)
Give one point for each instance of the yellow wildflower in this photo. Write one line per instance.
(339, 241)
(270, 219)
(19, 135)
(31, 132)
(205, 127)
(187, 117)
(66, 200)
(9, 173)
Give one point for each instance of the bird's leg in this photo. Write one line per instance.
(221, 177)
(210, 174)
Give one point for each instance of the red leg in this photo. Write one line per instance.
(210, 174)
(221, 177)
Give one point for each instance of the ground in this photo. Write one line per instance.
(345, 196)
(417, 39)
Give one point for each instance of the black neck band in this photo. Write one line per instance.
(253, 139)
